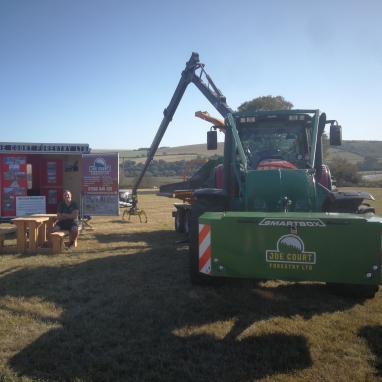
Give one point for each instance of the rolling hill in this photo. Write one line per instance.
(356, 151)
(353, 151)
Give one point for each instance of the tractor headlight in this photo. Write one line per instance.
(259, 204)
(247, 119)
(302, 204)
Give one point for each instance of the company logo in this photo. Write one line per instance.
(290, 249)
(100, 166)
(293, 222)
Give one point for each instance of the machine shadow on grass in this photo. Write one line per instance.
(137, 317)
(373, 336)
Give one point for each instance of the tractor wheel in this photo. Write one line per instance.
(179, 220)
(353, 290)
(365, 208)
(199, 207)
(186, 221)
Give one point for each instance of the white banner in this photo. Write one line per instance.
(29, 205)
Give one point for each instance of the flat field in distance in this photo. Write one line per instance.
(120, 307)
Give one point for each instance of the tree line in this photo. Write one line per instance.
(347, 174)
(161, 168)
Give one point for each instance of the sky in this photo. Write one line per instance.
(102, 72)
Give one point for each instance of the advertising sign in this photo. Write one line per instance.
(29, 205)
(100, 176)
(13, 181)
(67, 148)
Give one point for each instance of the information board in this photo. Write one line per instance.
(29, 205)
(13, 180)
(100, 178)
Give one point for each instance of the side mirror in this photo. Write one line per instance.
(212, 140)
(335, 135)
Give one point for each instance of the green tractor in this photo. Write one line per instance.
(273, 212)
(270, 210)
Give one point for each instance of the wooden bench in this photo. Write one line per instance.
(57, 239)
(3, 232)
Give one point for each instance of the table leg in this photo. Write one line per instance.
(21, 236)
(33, 236)
(42, 234)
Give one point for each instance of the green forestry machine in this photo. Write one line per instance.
(270, 210)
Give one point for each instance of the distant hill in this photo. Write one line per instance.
(353, 151)
(168, 154)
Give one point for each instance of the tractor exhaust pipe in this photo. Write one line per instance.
(319, 159)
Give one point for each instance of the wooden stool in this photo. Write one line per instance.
(4, 232)
(57, 239)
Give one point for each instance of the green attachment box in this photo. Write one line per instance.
(323, 247)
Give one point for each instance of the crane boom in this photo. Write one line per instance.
(209, 90)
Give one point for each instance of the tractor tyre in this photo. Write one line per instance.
(186, 220)
(199, 207)
(353, 290)
(179, 220)
(365, 208)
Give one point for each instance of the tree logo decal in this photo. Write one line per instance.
(290, 249)
(100, 166)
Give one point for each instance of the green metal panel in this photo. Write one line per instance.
(325, 247)
(314, 137)
(263, 190)
(266, 188)
(299, 187)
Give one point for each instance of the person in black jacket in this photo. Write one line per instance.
(67, 215)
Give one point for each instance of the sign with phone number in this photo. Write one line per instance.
(100, 178)
(95, 189)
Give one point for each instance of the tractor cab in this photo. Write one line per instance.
(277, 155)
(274, 141)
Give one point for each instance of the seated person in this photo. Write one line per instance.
(67, 215)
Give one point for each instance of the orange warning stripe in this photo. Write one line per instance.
(204, 249)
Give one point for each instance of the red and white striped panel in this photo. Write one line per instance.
(205, 249)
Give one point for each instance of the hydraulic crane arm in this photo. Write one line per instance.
(204, 115)
(209, 90)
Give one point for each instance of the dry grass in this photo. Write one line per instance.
(120, 308)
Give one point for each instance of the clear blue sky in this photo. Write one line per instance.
(101, 72)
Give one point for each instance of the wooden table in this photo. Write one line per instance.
(46, 229)
(33, 223)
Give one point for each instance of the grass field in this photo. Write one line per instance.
(351, 157)
(120, 307)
